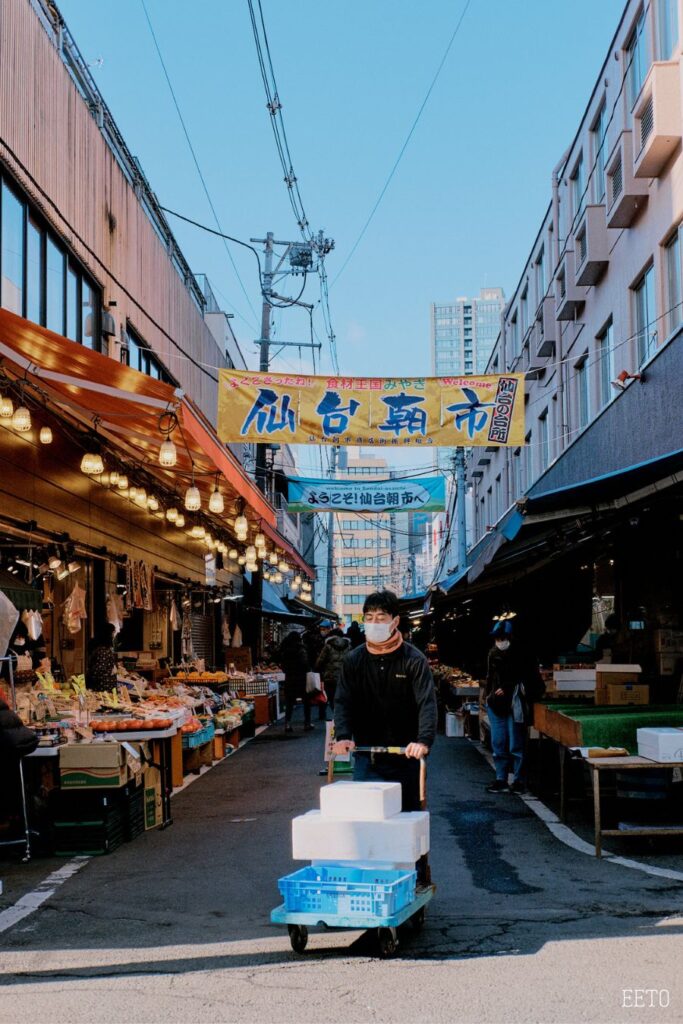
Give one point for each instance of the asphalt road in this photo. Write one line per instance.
(174, 927)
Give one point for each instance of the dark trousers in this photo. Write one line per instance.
(391, 768)
(292, 691)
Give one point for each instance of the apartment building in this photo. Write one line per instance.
(601, 290)
(464, 331)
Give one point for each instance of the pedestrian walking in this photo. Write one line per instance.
(356, 635)
(329, 662)
(385, 698)
(293, 659)
(513, 684)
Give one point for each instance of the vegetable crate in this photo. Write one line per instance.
(334, 889)
(199, 738)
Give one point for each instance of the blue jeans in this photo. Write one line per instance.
(507, 740)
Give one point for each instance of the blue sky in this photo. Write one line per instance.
(465, 204)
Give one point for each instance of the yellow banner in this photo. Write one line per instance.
(381, 411)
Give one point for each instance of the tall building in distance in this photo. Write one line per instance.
(464, 332)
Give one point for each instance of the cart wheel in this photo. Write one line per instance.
(387, 942)
(417, 920)
(298, 936)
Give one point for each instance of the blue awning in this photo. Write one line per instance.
(273, 605)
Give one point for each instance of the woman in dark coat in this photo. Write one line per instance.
(293, 660)
(329, 661)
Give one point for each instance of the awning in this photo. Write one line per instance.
(21, 594)
(124, 406)
(311, 608)
(274, 607)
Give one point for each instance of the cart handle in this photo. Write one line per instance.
(386, 750)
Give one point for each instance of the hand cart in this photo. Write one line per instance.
(386, 926)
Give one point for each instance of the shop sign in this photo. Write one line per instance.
(314, 495)
(372, 411)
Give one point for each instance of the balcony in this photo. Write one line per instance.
(545, 328)
(591, 246)
(626, 195)
(569, 296)
(657, 119)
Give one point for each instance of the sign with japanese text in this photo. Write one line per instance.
(306, 495)
(372, 411)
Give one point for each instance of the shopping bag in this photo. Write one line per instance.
(318, 696)
(313, 682)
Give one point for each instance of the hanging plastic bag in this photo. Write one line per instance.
(313, 682)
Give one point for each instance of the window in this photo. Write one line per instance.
(528, 461)
(599, 154)
(141, 358)
(637, 61)
(645, 315)
(514, 336)
(54, 292)
(606, 362)
(544, 439)
(73, 319)
(88, 315)
(12, 254)
(523, 315)
(577, 189)
(667, 28)
(517, 474)
(35, 248)
(540, 277)
(582, 394)
(672, 256)
(498, 508)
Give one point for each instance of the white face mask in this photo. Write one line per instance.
(378, 632)
(502, 645)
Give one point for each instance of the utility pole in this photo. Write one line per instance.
(330, 537)
(460, 497)
(300, 258)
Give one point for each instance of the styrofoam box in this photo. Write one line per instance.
(370, 865)
(581, 684)
(361, 801)
(401, 839)
(567, 675)
(661, 743)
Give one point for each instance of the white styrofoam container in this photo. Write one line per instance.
(573, 675)
(361, 801)
(660, 743)
(371, 865)
(402, 839)
(582, 683)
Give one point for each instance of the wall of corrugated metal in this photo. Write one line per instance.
(51, 143)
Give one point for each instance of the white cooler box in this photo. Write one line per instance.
(361, 801)
(660, 743)
(402, 839)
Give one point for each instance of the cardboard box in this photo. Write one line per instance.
(401, 839)
(93, 766)
(361, 801)
(660, 743)
(154, 812)
(623, 693)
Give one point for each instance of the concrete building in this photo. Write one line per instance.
(594, 323)
(464, 331)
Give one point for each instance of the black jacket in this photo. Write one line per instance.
(16, 740)
(292, 658)
(385, 700)
(330, 659)
(505, 670)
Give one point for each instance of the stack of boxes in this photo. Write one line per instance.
(609, 684)
(360, 824)
(661, 743)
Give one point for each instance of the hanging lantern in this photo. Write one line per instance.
(45, 435)
(262, 554)
(141, 497)
(193, 499)
(132, 493)
(91, 464)
(197, 532)
(273, 559)
(241, 560)
(241, 524)
(297, 580)
(180, 521)
(172, 514)
(233, 554)
(251, 553)
(260, 540)
(114, 478)
(278, 577)
(294, 586)
(251, 567)
(122, 482)
(21, 420)
(168, 454)
(283, 566)
(153, 503)
(216, 503)
(6, 407)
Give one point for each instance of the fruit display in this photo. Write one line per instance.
(130, 724)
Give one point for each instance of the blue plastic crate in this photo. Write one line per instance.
(196, 739)
(334, 889)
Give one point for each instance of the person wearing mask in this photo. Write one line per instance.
(513, 684)
(102, 661)
(329, 662)
(293, 659)
(385, 698)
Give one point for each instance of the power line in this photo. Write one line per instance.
(196, 163)
(409, 136)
